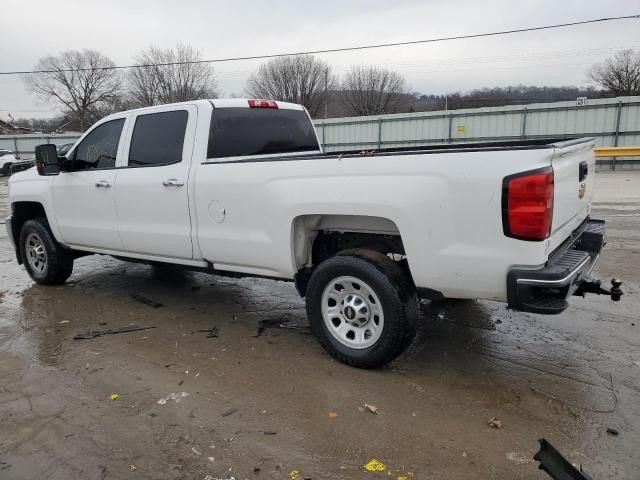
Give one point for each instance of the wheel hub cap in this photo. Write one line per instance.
(356, 310)
(352, 312)
(36, 254)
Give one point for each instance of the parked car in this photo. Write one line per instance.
(242, 188)
(21, 165)
(7, 157)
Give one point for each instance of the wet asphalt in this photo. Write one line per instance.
(230, 384)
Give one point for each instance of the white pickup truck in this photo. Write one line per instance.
(242, 187)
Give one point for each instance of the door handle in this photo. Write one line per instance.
(173, 182)
(103, 184)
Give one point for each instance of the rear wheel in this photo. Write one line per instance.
(362, 308)
(45, 260)
(6, 170)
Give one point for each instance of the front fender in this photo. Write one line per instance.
(28, 186)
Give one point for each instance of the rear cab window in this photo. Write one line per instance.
(243, 131)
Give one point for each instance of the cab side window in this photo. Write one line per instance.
(100, 147)
(158, 139)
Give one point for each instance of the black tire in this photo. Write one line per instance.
(395, 292)
(6, 170)
(58, 262)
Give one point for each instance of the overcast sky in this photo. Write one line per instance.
(120, 29)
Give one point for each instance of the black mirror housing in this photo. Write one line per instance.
(47, 159)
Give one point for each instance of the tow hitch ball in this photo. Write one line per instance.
(595, 286)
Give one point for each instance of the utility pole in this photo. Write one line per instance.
(446, 127)
(326, 90)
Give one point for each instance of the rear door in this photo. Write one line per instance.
(573, 176)
(151, 192)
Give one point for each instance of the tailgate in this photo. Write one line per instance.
(574, 168)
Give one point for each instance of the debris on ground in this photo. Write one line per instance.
(495, 423)
(552, 462)
(371, 408)
(374, 465)
(612, 431)
(176, 397)
(62, 322)
(279, 323)
(211, 332)
(133, 468)
(294, 474)
(270, 432)
(196, 451)
(145, 300)
(100, 333)
(228, 412)
(332, 414)
(114, 396)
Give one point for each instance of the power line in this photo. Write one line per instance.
(342, 49)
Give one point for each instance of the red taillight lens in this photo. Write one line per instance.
(527, 204)
(263, 104)
(17, 157)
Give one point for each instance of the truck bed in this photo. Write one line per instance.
(523, 144)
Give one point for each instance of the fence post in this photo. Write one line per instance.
(15, 145)
(523, 133)
(379, 133)
(615, 140)
(450, 126)
(324, 135)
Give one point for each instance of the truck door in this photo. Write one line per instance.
(83, 195)
(152, 204)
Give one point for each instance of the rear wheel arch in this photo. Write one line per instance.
(316, 238)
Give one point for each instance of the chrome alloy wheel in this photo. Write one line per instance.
(352, 312)
(36, 254)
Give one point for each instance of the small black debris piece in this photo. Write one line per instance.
(556, 466)
(270, 432)
(612, 431)
(228, 412)
(279, 323)
(145, 300)
(100, 333)
(211, 332)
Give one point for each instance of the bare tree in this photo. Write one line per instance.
(170, 75)
(619, 74)
(299, 79)
(84, 82)
(369, 90)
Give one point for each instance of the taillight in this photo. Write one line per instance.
(527, 204)
(263, 104)
(17, 157)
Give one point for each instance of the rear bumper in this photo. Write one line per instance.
(546, 290)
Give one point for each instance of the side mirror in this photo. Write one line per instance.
(47, 159)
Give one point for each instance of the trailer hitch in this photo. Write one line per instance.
(595, 286)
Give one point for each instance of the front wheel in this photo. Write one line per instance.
(362, 308)
(45, 260)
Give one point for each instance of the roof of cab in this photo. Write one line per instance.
(215, 102)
